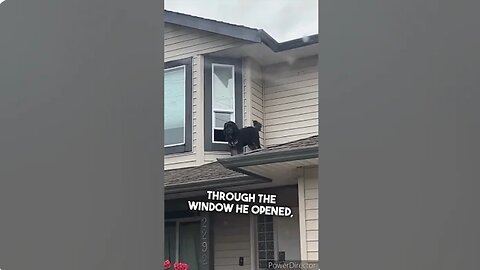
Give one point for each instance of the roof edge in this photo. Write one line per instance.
(297, 43)
(235, 162)
(287, 45)
(214, 183)
(237, 31)
(223, 28)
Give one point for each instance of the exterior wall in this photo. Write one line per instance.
(212, 156)
(182, 42)
(288, 235)
(176, 161)
(231, 241)
(308, 202)
(283, 97)
(290, 101)
(253, 95)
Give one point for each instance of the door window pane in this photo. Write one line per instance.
(174, 106)
(170, 242)
(189, 244)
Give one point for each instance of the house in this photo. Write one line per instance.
(217, 72)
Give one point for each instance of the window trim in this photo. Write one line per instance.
(210, 144)
(188, 136)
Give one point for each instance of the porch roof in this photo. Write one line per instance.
(306, 148)
(211, 175)
(279, 162)
(236, 170)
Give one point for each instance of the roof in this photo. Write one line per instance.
(226, 172)
(202, 173)
(211, 175)
(301, 143)
(306, 148)
(236, 31)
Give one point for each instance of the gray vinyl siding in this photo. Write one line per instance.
(182, 42)
(231, 241)
(256, 97)
(311, 211)
(253, 95)
(212, 156)
(196, 68)
(290, 101)
(177, 161)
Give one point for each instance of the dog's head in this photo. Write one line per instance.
(257, 125)
(230, 130)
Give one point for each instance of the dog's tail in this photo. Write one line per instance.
(257, 125)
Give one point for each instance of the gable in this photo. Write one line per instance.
(182, 42)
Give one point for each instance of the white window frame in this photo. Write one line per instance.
(232, 118)
(184, 103)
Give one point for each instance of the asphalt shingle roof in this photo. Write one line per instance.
(207, 172)
(301, 143)
(215, 171)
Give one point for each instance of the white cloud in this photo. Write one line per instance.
(282, 19)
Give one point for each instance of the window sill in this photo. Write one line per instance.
(177, 150)
(180, 154)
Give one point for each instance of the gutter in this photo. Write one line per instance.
(216, 183)
(268, 40)
(260, 158)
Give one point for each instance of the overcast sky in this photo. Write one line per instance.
(282, 19)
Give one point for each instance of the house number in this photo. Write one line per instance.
(204, 240)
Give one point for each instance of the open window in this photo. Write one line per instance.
(178, 106)
(223, 99)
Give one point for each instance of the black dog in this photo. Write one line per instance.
(239, 138)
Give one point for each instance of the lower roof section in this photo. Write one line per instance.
(249, 169)
(209, 176)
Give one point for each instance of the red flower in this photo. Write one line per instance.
(180, 266)
(167, 264)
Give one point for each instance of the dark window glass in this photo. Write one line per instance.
(178, 106)
(266, 246)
